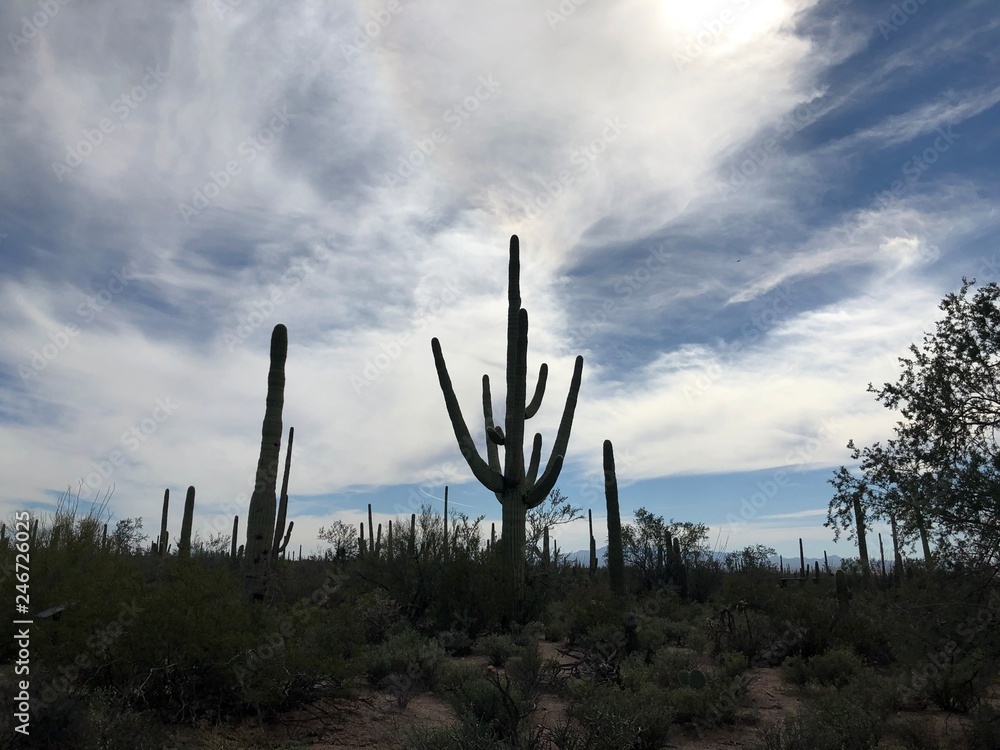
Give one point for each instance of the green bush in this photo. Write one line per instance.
(613, 718)
(497, 647)
(847, 719)
(405, 654)
(836, 667)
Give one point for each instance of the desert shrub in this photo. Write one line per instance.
(493, 700)
(456, 642)
(847, 719)
(379, 613)
(497, 647)
(917, 734)
(616, 718)
(836, 667)
(98, 718)
(470, 734)
(406, 653)
(962, 681)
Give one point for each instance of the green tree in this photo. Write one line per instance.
(939, 476)
(343, 537)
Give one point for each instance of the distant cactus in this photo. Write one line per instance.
(163, 523)
(371, 531)
(184, 546)
(616, 559)
(445, 554)
(593, 544)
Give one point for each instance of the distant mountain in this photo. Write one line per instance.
(583, 556)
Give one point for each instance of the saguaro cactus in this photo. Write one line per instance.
(515, 487)
(616, 559)
(184, 547)
(163, 524)
(260, 519)
(445, 554)
(593, 544)
(277, 545)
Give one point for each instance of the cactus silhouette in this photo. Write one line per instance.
(518, 489)
(260, 519)
(184, 547)
(616, 560)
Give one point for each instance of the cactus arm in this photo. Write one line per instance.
(532, 408)
(490, 478)
(288, 535)
(536, 453)
(537, 494)
(279, 525)
(492, 454)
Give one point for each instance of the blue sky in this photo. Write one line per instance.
(740, 213)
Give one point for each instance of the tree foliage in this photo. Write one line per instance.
(939, 475)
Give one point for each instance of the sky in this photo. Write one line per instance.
(739, 212)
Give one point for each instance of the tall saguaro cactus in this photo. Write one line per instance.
(260, 519)
(518, 489)
(616, 554)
